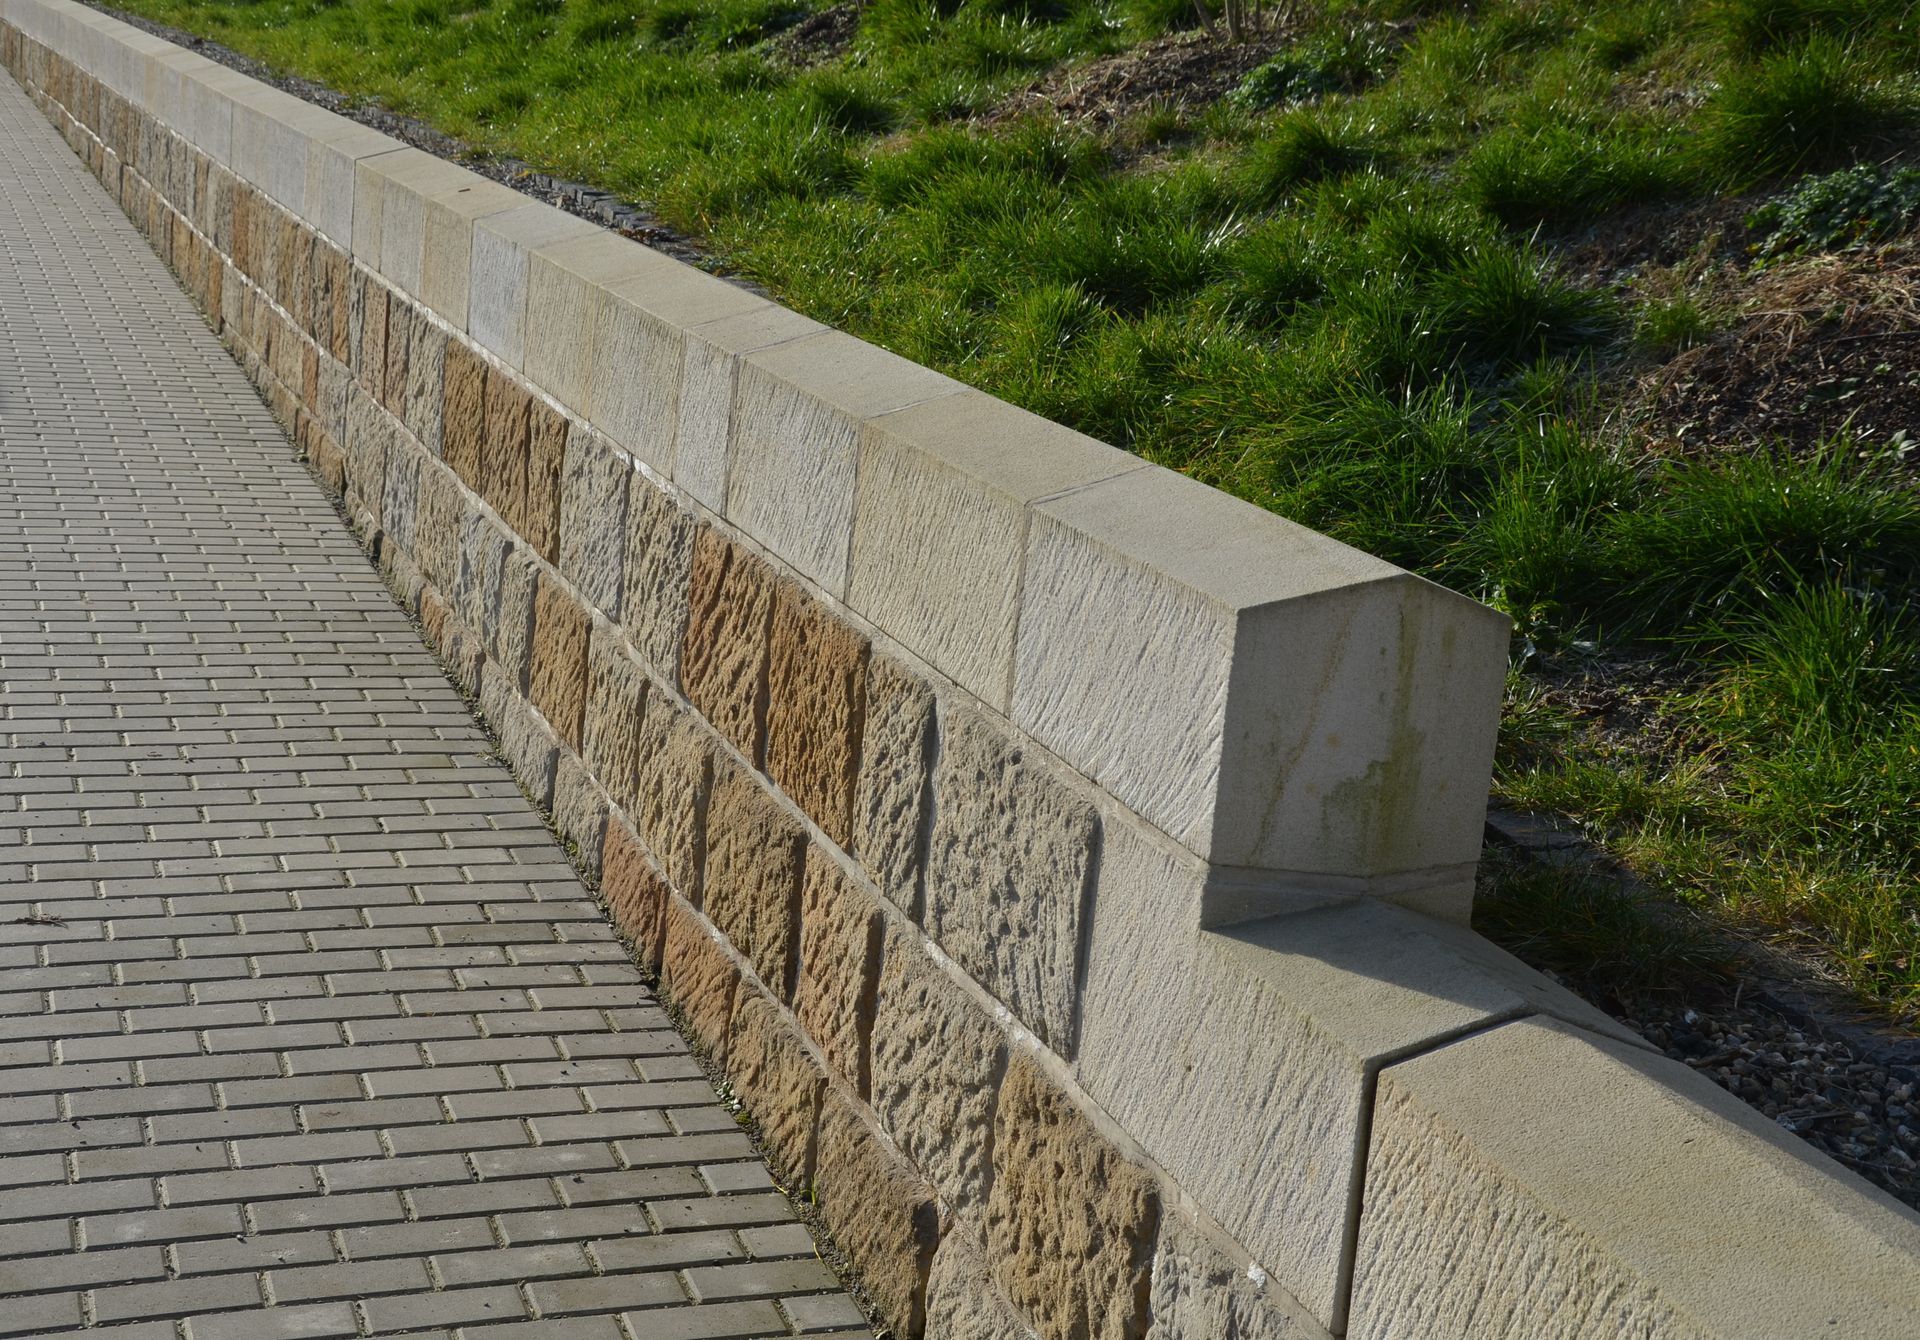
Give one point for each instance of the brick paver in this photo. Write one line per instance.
(306, 1026)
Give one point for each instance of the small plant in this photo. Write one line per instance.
(1839, 210)
(1666, 326)
(1338, 61)
(1816, 105)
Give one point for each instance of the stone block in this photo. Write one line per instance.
(937, 1059)
(798, 408)
(778, 1081)
(840, 930)
(699, 978)
(671, 788)
(509, 638)
(526, 741)
(484, 548)
(557, 673)
(393, 384)
(497, 285)
(1202, 1292)
(890, 798)
(635, 893)
(579, 811)
(593, 518)
(421, 210)
(333, 155)
(940, 533)
(1537, 1181)
(1287, 703)
(1071, 1222)
(752, 884)
(566, 284)
(879, 1211)
(616, 703)
(723, 662)
(372, 367)
(426, 365)
(963, 1302)
(504, 445)
(539, 523)
(816, 691)
(639, 351)
(269, 144)
(658, 572)
(1008, 870)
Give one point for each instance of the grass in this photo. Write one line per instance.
(1344, 292)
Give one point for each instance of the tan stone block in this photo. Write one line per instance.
(723, 663)
(557, 677)
(1070, 1223)
(509, 638)
(879, 1211)
(777, 1080)
(1205, 1290)
(635, 893)
(539, 523)
(593, 518)
(393, 386)
(659, 568)
(339, 294)
(463, 426)
(526, 741)
(752, 886)
(963, 1302)
(426, 365)
(616, 702)
(580, 811)
(503, 444)
(671, 788)
(840, 930)
(890, 797)
(373, 341)
(816, 696)
(698, 977)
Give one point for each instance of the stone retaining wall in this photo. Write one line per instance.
(1067, 863)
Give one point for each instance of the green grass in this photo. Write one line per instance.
(1340, 293)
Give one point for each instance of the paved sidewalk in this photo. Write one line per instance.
(306, 1027)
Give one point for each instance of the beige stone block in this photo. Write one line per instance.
(699, 978)
(657, 573)
(424, 224)
(504, 445)
(593, 518)
(579, 811)
(751, 890)
(840, 929)
(1205, 1290)
(426, 369)
(1538, 1182)
(963, 1302)
(937, 1059)
(270, 137)
(723, 663)
(890, 798)
(509, 638)
(671, 790)
(798, 408)
(539, 524)
(497, 285)
(527, 743)
(1070, 1223)
(565, 284)
(484, 549)
(940, 532)
(879, 1211)
(816, 690)
(778, 1081)
(636, 893)
(1008, 870)
(557, 676)
(616, 702)
(1285, 702)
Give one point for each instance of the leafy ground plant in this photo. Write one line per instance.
(1390, 288)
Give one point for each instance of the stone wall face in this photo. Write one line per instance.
(1066, 863)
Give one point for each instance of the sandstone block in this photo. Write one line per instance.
(1200, 1292)
(1288, 703)
(526, 742)
(372, 367)
(1537, 1181)
(426, 366)
(635, 892)
(752, 884)
(840, 929)
(497, 285)
(671, 789)
(393, 384)
(890, 798)
(579, 810)
(484, 547)
(723, 662)
(616, 702)
(937, 1062)
(1008, 869)
(504, 445)
(268, 146)
(798, 408)
(509, 638)
(940, 535)
(332, 159)
(878, 1210)
(778, 1081)
(699, 977)
(593, 519)
(658, 571)
(557, 675)
(816, 693)
(539, 523)
(1070, 1223)
(566, 284)
(963, 1302)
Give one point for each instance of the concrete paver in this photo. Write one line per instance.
(276, 929)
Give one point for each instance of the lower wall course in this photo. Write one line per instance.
(878, 1209)
(672, 785)
(557, 672)
(616, 701)
(840, 933)
(658, 571)
(580, 810)
(698, 977)
(634, 891)
(963, 1303)
(751, 890)
(778, 1080)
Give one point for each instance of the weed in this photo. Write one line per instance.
(1866, 203)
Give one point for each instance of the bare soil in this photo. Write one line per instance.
(823, 36)
(1184, 70)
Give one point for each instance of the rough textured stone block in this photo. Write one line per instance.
(1008, 870)
(752, 883)
(526, 742)
(659, 569)
(940, 535)
(372, 367)
(593, 519)
(1536, 1181)
(504, 445)
(579, 811)
(557, 677)
(464, 419)
(426, 364)
(635, 892)
(1070, 1224)
(840, 929)
(497, 284)
(723, 663)
(878, 1210)
(963, 1302)
(616, 702)
(393, 386)
(1202, 1293)
(816, 696)
(937, 1061)
(778, 1081)
(798, 408)
(566, 282)
(671, 789)
(400, 492)
(1287, 702)
(509, 638)
(698, 977)
(437, 529)
(539, 523)
(484, 547)
(890, 798)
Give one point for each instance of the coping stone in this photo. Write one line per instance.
(497, 284)
(565, 281)
(712, 356)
